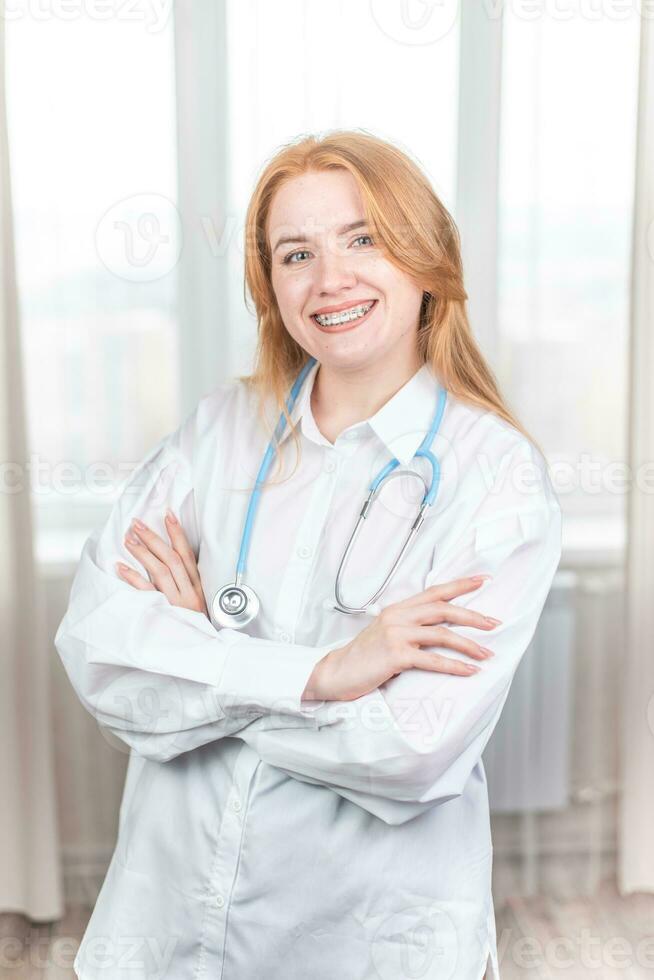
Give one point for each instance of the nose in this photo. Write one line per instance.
(334, 272)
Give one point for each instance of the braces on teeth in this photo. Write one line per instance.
(329, 319)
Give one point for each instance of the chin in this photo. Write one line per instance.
(347, 359)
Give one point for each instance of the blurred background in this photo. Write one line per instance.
(131, 136)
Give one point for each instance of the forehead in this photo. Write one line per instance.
(315, 202)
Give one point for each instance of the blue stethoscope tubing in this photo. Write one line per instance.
(236, 604)
(265, 466)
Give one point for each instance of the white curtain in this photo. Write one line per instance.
(30, 878)
(636, 842)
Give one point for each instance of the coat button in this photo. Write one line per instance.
(236, 805)
(220, 901)
(304, 552)
(330, 466)
(284, 637)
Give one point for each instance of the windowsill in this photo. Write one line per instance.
(599, 542)
(58, 552)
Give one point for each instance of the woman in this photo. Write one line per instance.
(305, 795)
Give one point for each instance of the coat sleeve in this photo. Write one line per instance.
(160, 677)
(413, 742)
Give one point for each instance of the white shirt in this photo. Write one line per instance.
(262, 835)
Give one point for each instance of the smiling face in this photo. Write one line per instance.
(332, 265)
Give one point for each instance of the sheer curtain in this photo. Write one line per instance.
(636, 863)
(30, 882)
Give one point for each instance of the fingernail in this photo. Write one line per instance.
(471, 669)
(492, 621)
(171, 517)
(121, 567)
(480, 578)
(132, 538)
(139, 524)
(489, 653)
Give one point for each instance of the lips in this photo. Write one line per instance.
(342, 307)
(349, 325)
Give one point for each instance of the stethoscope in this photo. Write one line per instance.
(235, 605)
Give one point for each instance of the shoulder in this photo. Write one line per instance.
(223, 418)
(496, 491)
(495, 464)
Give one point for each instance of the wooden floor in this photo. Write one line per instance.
(604, 937)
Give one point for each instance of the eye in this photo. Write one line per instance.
(291, 255)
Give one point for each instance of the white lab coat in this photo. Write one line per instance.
(266, 836)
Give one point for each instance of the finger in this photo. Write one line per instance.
(167, 555)
(446, 591)
(440, 636)
(181, 545)
(160, 574)
(443, 665)
(441, 613)
(134, 578)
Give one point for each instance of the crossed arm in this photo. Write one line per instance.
(166, 681)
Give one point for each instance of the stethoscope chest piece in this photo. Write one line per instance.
(234, 606)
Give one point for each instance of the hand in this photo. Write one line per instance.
(391, 644)
(172, 567)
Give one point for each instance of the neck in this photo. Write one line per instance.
(339, 399)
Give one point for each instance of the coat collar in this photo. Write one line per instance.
(401, 423)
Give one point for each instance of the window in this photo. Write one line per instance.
(568, 128)
(92, 140)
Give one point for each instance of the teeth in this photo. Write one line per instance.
(333, 319)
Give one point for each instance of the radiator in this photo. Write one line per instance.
(527, 759)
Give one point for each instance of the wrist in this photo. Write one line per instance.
(316, 686)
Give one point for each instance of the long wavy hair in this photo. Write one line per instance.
(417, 233)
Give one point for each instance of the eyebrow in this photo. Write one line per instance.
(294, 239)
